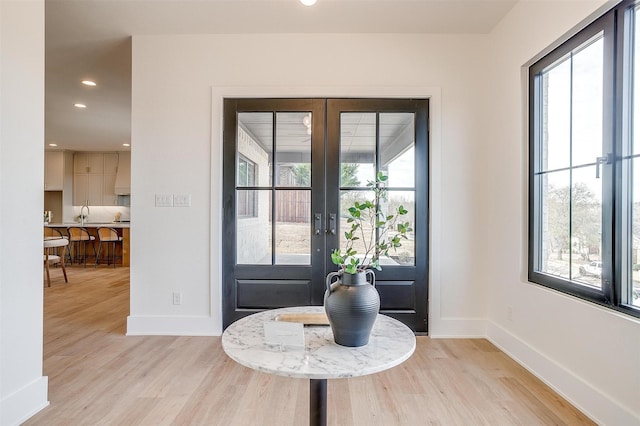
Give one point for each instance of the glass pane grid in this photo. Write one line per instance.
(569, 202)
(261, 240)
(372, 142)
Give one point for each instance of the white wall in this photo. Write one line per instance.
(23, 389)
(588, 353)
(478, 172)
(176, 151)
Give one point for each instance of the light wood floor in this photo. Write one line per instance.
(98, 376)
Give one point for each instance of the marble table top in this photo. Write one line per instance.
(390, 344)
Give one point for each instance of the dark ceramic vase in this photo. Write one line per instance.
(352, 305)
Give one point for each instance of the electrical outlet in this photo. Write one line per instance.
(177, 298)
(164, 200)
(182, 200)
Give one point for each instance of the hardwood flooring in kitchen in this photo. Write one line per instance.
(99, 376)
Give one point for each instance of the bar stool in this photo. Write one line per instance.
(110, 237)
(53, 243)
(52, 233)
(78, 238)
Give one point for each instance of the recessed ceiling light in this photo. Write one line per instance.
(126, 144)
(79, 105)
(53, 144)
(88, 83)
(308, 2)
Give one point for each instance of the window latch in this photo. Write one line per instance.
(608, 159)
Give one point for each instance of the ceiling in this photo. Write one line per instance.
(90, 39)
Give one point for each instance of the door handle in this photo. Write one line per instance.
(317, 220)
(331, 229)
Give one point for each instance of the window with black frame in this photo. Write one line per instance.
(584, 220)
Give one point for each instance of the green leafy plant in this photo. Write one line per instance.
(373, 228)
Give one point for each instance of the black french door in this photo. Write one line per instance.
(291, 168)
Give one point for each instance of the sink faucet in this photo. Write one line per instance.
(85, 205)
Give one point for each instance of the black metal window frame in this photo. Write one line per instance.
(616, 26)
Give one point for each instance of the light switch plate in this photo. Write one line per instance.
(164, 200)
(182, 200)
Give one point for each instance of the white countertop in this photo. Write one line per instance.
(391, 343)
(89, 224)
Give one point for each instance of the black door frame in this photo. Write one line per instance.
(300, 277)
(411, 281)
(397, 285)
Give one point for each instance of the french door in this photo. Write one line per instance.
(291, 169)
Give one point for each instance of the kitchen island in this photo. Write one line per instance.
(121, 227)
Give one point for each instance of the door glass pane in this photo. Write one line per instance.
(406, 253)
(555, 223)
(586, 227)
(397, 136)
(587, 103)
(293, 227)
(255, 147)
(357, 148)
(366, 233)
(293, 149)
(253, 236)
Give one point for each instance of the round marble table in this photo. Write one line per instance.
(391, 343)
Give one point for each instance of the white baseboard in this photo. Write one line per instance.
(172, 326)
(26, 402)
(458, 328)
(589, 400)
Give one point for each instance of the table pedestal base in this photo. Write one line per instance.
(318, 402)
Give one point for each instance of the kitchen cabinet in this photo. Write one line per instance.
(111, 163)
(110, 170)
(88, 163)
(123, 177)
(94, 178)
(109, 197)
(58, 184)
(88, 188)
(53, 170)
